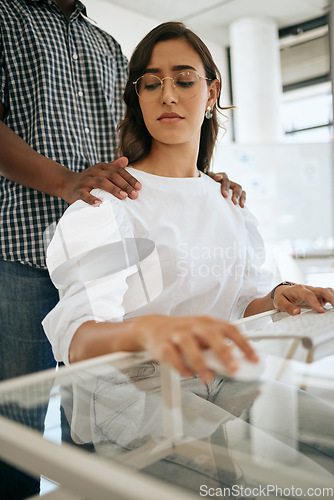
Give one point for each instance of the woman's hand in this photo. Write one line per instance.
(111, 177)
(238, 194)
(291, 299)
(180, 341)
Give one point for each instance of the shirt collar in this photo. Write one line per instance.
(78, 5)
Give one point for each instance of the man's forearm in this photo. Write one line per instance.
(22, 164)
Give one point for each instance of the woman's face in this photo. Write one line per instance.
(171, 118)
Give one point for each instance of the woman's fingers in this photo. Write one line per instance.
(291, 298)
(172, 355)
(217, 335)
(325, 295)
(187, 345)
(181, 342)
(224, 330)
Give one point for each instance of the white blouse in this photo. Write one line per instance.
(179, 249)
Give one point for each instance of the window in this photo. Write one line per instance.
(307, 114)
(307, 110)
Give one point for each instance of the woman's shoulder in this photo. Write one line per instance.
(108, 202)
(95, 219)
(84, 227)
(245, 214)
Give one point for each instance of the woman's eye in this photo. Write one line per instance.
(185, 84)
(152, 86)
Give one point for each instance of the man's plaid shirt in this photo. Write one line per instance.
(61, 83)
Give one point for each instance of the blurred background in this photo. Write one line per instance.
(276, 59)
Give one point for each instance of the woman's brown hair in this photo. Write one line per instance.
(135, 140)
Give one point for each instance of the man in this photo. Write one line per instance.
(61, 81)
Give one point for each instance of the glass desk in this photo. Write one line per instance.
(124, 438)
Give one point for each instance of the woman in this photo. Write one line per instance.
(168, 134)
(157, 274)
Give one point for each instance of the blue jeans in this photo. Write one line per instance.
(26, 296)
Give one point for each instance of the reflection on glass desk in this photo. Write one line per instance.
(125, 438)
(312, 334)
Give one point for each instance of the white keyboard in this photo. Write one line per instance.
(311, 327)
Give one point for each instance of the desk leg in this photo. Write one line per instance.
(172, 409)
(309, 359)
(289, 356)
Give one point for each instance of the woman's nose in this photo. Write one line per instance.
(168, 91)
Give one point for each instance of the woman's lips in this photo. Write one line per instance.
(170, 117)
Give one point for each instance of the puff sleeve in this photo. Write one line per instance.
(257, 278)
(89, 259)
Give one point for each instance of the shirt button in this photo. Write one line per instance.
(80, 93)
(87, 130)
(75, 56)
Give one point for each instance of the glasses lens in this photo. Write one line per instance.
(187, 84)
(148, 87)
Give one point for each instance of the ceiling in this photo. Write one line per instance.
(211, 18)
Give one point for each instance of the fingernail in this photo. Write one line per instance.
(137, 185)
(123, 194)
(134, 193)
(295, 311)
(97, 203)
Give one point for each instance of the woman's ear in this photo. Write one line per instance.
(214, 90)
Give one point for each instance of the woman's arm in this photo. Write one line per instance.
(177, 341)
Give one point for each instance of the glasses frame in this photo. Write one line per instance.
(168, 78)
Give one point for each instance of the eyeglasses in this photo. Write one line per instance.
(186, 84)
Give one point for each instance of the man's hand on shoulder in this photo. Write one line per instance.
(238, 194)
(111, 177)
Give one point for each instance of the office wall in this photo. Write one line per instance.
(289, 189)
(126, 26)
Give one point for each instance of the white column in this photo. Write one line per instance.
(256, 80)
